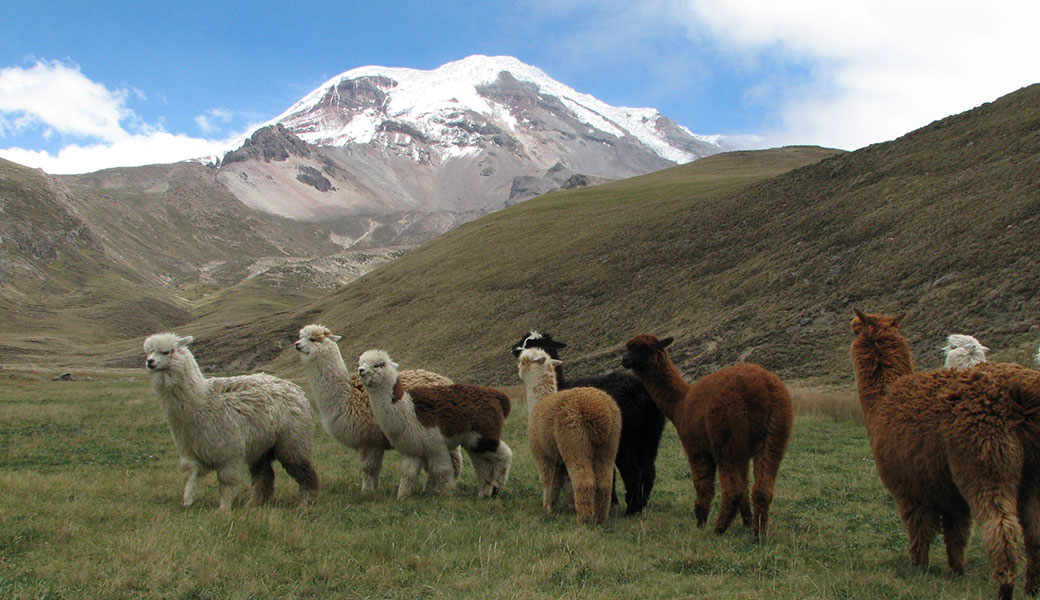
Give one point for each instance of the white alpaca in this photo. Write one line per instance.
(228, 424)
(963, 351)
(574, 435)
(424, 423)
(343, 404)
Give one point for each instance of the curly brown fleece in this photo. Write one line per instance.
(952, 444)
(724, 420)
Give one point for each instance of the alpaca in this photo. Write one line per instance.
(346, 414)
(226, 424)
(642, 422)
(424, 423)
(952, 444)
(574, 434)
(724, 420)
(963, 351)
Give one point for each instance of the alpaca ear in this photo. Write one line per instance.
(334, 337)
(394, 364)
(661, 345)
(896, 319)
(555, 362)
(859, 313)
(184, 341)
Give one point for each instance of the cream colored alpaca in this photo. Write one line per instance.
(226, 424)
(573, 433)
(342, 402)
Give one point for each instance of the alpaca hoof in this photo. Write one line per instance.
(1007, 590)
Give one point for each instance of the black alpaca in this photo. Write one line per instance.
(641, 421)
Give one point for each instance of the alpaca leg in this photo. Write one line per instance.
(1001, 536)
(503, 459)
(762, 492)
(192, 471)
(1028, 514)
(371, 458)
(549, 475)
(604, 474)
(702, 467)
(456, 461)
(302, 471)
(441, 479)
(482, 468)
(263, 480)
(734, 484)
(230, 478)
(410, 467)
(993, 487)
(921, 523)
(956, 532)
(632, 476)
(584, 481)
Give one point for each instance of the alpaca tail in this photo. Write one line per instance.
(1025, 398)
(504, 401)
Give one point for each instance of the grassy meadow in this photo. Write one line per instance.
(90, 508)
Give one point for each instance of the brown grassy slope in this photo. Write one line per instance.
(560, 262)
(942, 223)
(57, 283)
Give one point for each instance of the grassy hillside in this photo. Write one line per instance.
(736, 264)
(88, 262)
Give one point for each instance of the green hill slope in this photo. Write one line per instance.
(734, 262)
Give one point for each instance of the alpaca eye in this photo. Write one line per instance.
(313, 340)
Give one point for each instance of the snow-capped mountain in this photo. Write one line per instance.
(467, 138)
(444, 105)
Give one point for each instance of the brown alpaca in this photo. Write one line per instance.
(574, 434)
(950, 444)
(724, 420)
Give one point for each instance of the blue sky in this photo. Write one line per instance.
(90, 85)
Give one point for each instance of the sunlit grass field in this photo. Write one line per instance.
(90, 508)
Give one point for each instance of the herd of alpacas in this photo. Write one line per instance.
(950, 445)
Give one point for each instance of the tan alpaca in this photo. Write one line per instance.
(953, 444)
(573, 434)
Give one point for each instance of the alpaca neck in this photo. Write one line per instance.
(181, 385)
(381, 392)
(326, 371)
(540, 387)
(666, 386)
(879, 362)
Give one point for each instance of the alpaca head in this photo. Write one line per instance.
(644, 352)
(376, 369)
(534, 364)
(162, 349)
(313, 338)
(873, 326)
(537, 339)
(963, 351)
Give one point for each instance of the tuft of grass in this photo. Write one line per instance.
(93, 528)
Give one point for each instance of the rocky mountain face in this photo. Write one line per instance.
(453, 143)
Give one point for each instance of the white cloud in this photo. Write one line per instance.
(135, 150)
(205, 121)
(58, 99)
(879, 68)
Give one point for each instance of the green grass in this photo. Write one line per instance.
(90, 508)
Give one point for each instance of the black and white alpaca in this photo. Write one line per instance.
(425, 423)
(642, 422)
